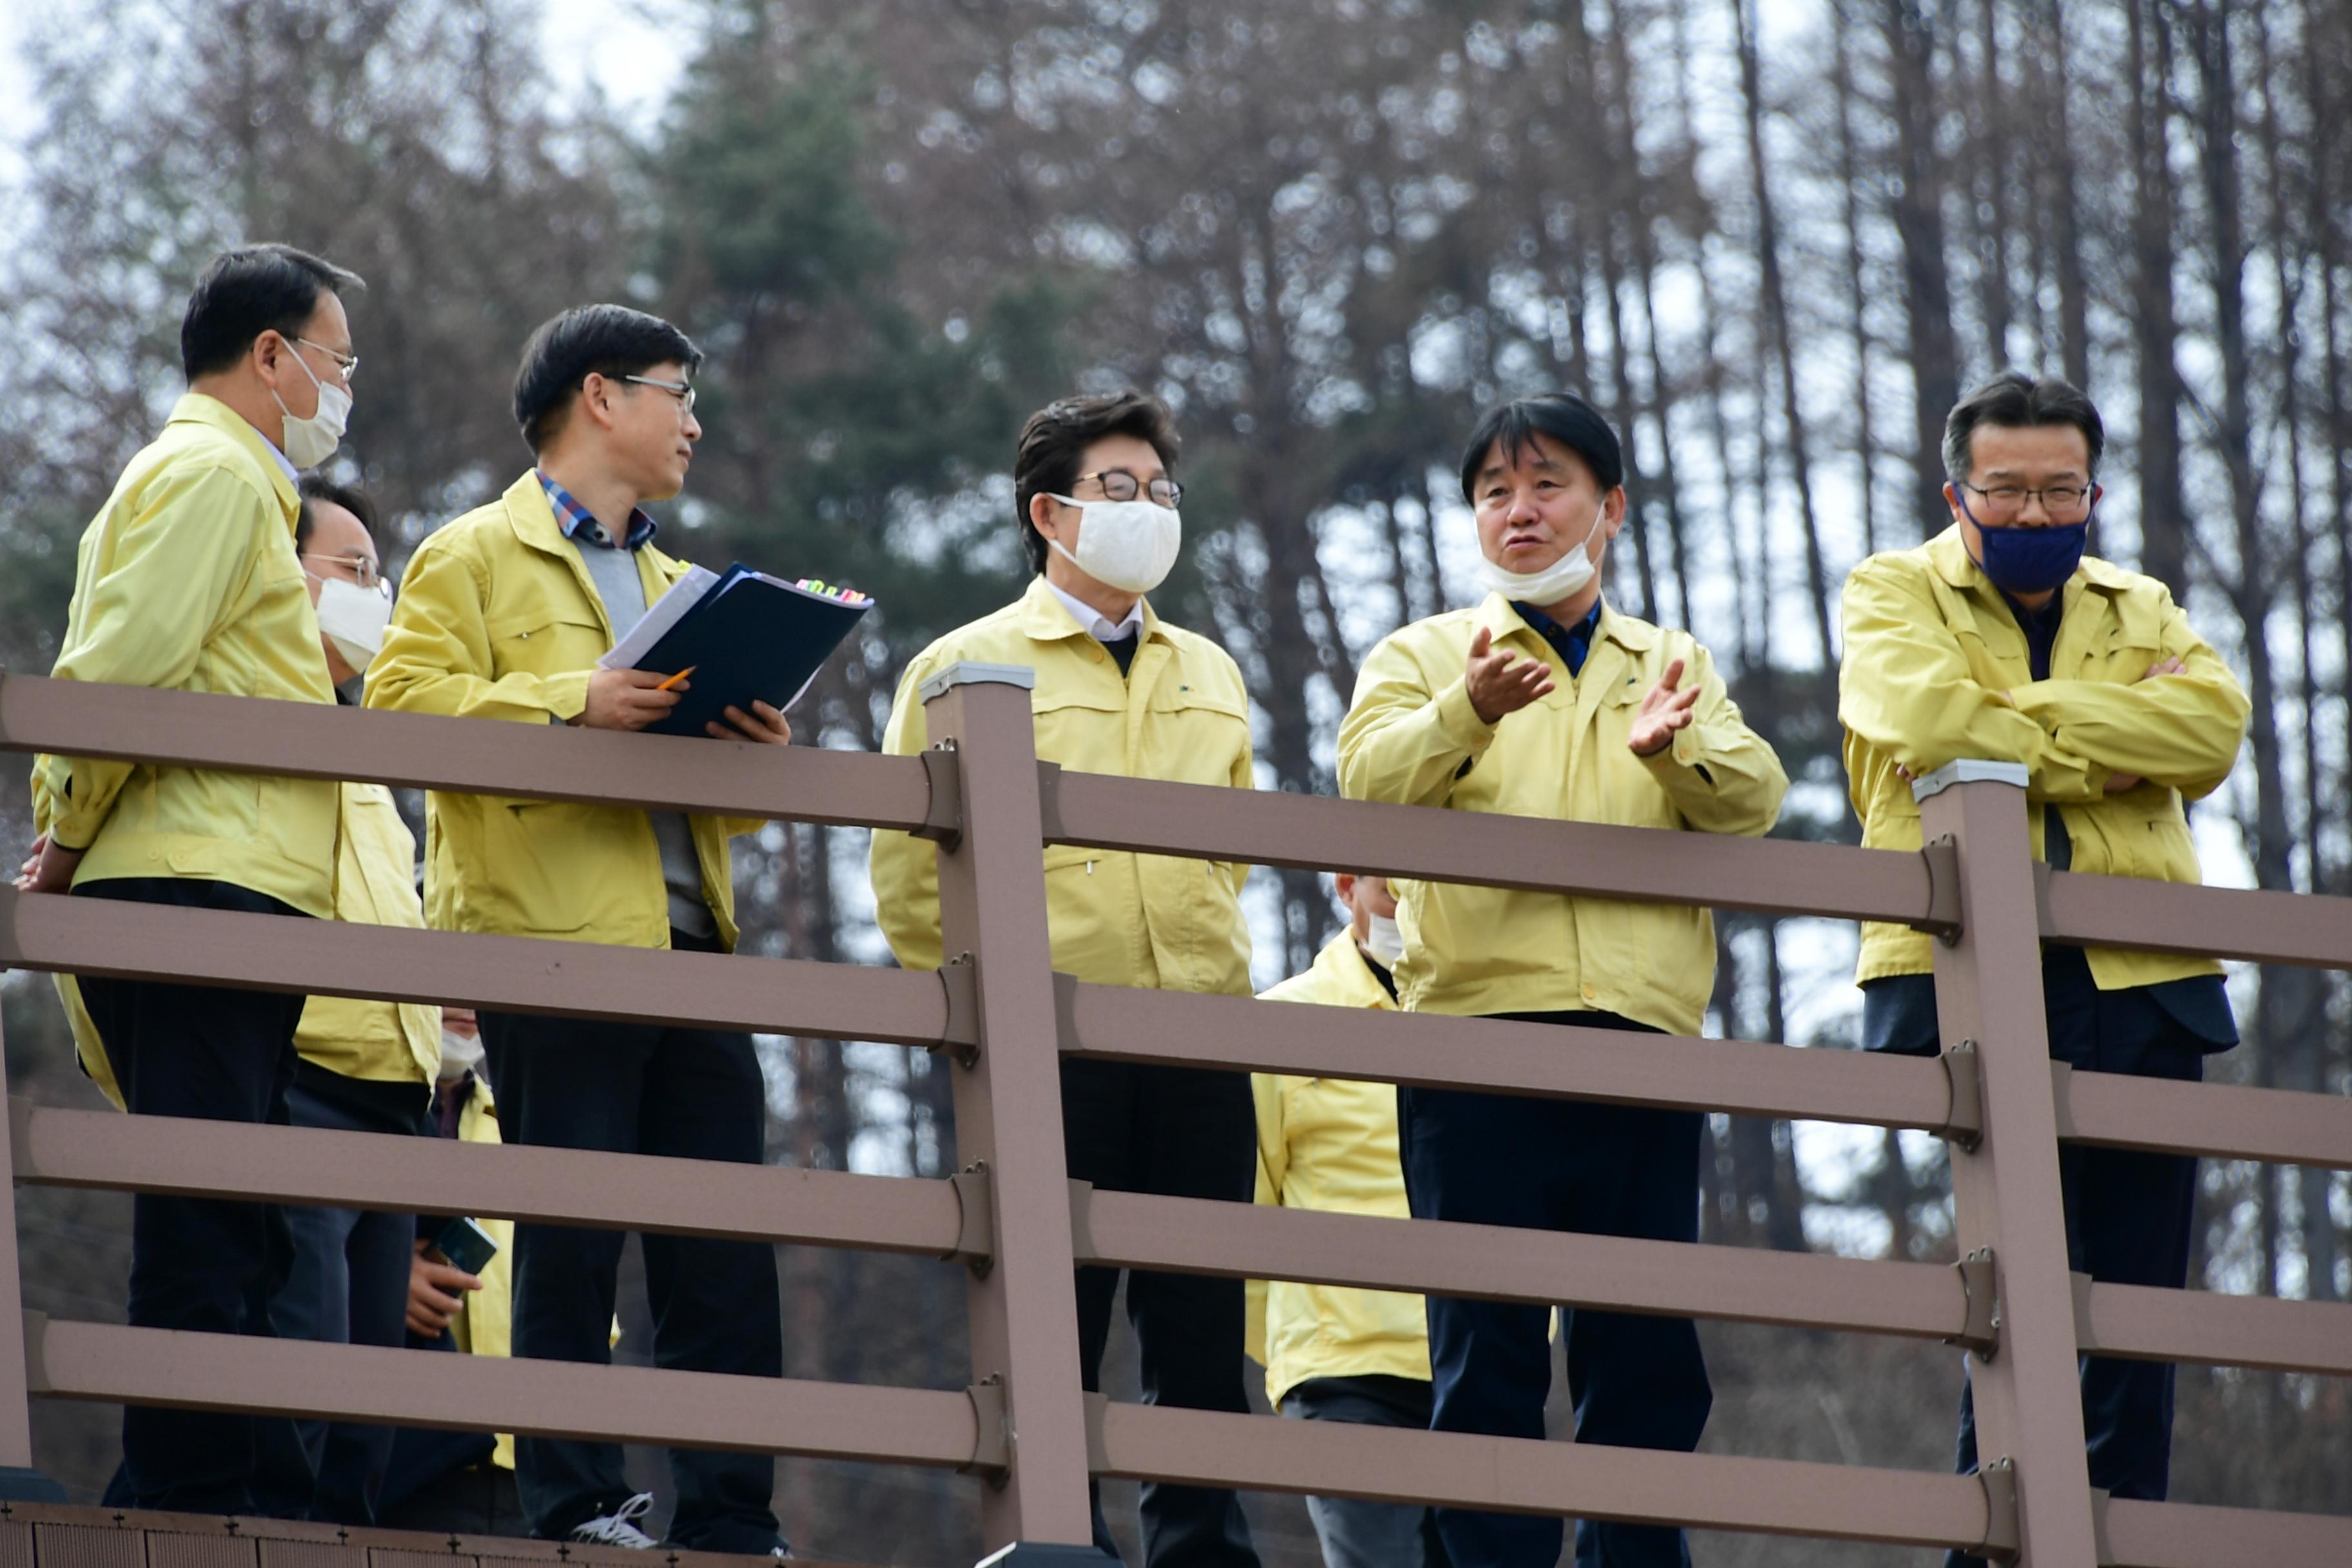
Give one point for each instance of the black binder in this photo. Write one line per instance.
(750, 638)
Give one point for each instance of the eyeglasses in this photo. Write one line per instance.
(364, 572)
(1117, 484)
(346, 366)
(678, 389)
(2058, 500)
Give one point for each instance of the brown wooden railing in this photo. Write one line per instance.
(997, 1010)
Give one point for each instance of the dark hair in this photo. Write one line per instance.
(250, 290)
(1562, 415)
(350, 498)
(1054, 440)
(610, 341)
(2015, 401)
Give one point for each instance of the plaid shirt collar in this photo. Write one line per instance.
(580, 525)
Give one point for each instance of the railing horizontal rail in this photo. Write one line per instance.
(495, 1393)
(2135, 1534)
(523, 975)
(1518, 1475)
(1742, 1077)
(2142, 1322)
(1198, 1236)
(1641, 864)
(2222, 1121)
(2310, 929)
(557, 1186)
(540, 761)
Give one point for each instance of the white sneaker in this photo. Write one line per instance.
(619, 1527)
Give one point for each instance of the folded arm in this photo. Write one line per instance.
(2181, 729)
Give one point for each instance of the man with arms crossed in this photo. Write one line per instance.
(1998, 640)
(1332, 1353)
(1121, 691)
(187, 581)
(1546, 701)
(503, 615)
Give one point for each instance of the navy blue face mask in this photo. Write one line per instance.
(2029, 560)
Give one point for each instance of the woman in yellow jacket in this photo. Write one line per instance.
(1332, 1353)
(1544, 701)
(2000, 640)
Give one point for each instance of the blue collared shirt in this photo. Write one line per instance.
(580, 525)
(1571, 643)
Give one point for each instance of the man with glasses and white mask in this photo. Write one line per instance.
(503, 613)
(2001, 639)
(188, 580)
(1545, 701)
(1120, 691)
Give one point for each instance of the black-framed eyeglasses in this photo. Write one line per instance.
(678, 389)
(346, 366)
(2056, 500)
(1117, 484)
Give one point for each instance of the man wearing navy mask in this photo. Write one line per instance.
(2001, 639)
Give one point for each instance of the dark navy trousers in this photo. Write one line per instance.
(2128, 1214)
(1637, 1381)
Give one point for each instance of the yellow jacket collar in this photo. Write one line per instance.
(1950, 557)
(1501, 617)
(198, 408)
(1046, 619)
(532, 515)
(1349, 981)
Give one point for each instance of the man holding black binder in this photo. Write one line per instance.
(504, 614)
(1120, 691)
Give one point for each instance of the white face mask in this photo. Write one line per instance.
(310, 442)
(1563, 580)
(1129, 545)
(353, 618)
(1385, 940)
(460, 1053)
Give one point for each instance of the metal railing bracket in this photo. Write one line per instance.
(2001, 1537)
(943, 817)
(975, 1246)
(991, 1444)
(1942, 919)
(959, 1035)
(1964, 1116)
(1979, 1332)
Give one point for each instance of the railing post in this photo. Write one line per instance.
(1008, 1111)
(19, 1481)
(2005, 1191)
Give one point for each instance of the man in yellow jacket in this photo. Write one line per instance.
(1545, 701)
(1332, 1353)
(1120, 691)
(187, 581)
(1999, 639)
(503, 615)
(361, 1067)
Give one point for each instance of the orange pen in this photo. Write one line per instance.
(673, 679)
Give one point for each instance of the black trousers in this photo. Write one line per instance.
(198, 1263)
(639, 1088)
(2128, 1215)
(348, 1285)
(1638, 1382)
(1358, 1532)
(1132, 1127)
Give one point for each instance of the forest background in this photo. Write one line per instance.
(1773, 245)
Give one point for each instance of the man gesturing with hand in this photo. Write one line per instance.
(504, 614)
(1545, 701)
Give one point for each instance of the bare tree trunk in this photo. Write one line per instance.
(1918, 215)
(2164, 552)
(2065, 205)
(1865, 441)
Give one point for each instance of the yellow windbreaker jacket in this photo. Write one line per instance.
(1331, 1143)
(1413, 738)
(375, 884)
(498, 619)
(1179, 716)
(1936, 669)
(187, 579)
